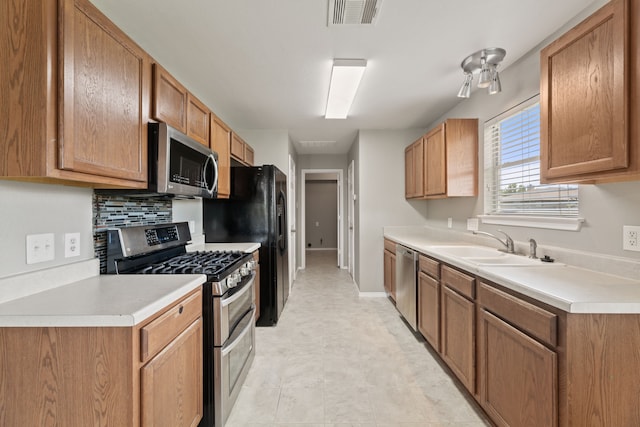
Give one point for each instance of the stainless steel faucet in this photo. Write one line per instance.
(532, 248)
(508, 243)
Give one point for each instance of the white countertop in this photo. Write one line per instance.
(247, 247)
(100, 301)
(572, 289)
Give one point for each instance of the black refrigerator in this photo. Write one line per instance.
(256, 211)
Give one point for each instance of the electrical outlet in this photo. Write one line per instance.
(71, 245)
(40, 248)
(631, 238)
(472, 224)
(450, 222)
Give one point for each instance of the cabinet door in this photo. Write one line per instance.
(169, 99)
(418, 167)
(237, 147)
(221, 144)
(458, 336)
(429, 309)
(197, 120)
(518, 376)
(104, 96)
(584, 97)
(172, 382)
(409, 175)
(248, 154)
(390, 274)
(435, 161)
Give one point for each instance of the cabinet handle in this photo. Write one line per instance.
(180, 310)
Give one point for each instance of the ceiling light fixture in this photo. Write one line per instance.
(486, 61)
(345, 79)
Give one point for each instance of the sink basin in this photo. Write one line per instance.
(484, 256)
(469, 251)
(505, 260)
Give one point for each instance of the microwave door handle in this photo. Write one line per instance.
(211, 186)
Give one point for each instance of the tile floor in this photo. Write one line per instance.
(337, 359)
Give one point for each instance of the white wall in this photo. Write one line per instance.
(271, 147)
(381, 202)
(605, 207)
(28, 208)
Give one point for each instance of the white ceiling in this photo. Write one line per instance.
(265, 64)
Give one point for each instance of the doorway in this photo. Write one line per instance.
(351, 201)
(319, 175)
(292, 221)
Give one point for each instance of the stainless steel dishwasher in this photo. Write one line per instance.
(406, 284)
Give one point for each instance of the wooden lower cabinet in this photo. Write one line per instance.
(458, 336)
(171, 383)
(518, 381)
(390, 268)
(96, 376)
(429, 309)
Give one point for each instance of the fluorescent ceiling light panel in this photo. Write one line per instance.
(345, 79)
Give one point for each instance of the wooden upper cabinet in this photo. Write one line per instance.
(587, 99)
(414, 169)
(169, 99)
(103, 97)
(241, 151)
(221, 144)
(444, 162)
(435, 162)
(237, 147)
(248, 154)
(197, 120)
(81, 122)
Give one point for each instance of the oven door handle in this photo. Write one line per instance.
(226, 301)
(244, 327)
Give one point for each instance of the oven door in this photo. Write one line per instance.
(229, 310)
(231, 365)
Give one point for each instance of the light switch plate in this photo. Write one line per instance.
(472, 224)
(40, 248)
(71, 245)
(449, 222)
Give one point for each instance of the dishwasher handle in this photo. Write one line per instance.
(406, 252)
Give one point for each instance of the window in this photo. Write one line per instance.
(512, 169)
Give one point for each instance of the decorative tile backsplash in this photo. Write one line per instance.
(122, 211)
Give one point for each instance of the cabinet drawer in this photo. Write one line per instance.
(389, 246)
(165, 328)
(459, 281)
(528, 317)
(430, 266)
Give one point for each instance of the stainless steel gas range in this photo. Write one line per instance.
(228, 303)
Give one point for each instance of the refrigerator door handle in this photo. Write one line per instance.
(282, 220)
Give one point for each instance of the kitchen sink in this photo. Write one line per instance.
(484, 256)
(505, 260)
(469, 251)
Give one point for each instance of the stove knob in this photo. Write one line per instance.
(245, 271)
(233, 280)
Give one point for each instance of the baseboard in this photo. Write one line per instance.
(373, 294)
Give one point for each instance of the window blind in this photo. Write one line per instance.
(512, 168)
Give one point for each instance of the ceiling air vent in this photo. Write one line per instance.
(353, 12)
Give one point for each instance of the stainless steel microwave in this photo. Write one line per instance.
(179, 165)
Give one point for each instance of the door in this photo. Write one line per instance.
(351, 219)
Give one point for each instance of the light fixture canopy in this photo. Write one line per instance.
(345, 79)
(486, 61)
